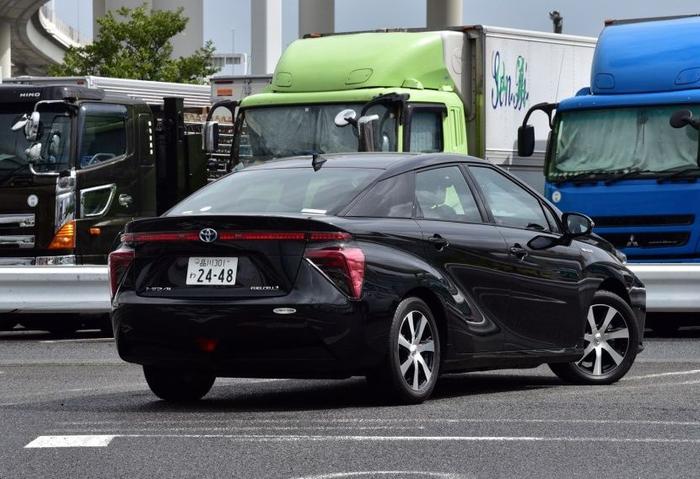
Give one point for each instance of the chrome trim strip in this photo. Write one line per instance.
(113, 189)
(16, 261)
(23, 241)
(24, 220)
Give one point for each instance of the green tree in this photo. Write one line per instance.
(135, 43)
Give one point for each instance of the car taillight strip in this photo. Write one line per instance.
(238, 236)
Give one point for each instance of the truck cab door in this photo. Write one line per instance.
(106, 179)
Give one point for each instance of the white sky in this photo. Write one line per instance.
(224, 17)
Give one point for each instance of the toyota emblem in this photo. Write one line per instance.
(208, 235)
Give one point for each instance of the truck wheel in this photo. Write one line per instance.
(412, 366)
(610, 343)
(178, 385)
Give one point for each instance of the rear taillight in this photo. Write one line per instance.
(119, 261)
(345, 267)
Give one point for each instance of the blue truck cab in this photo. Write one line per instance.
(625, 152)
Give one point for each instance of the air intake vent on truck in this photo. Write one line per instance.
(647, 220)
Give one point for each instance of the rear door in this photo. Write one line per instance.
(546, 285)
(469, 252)
(106, 179)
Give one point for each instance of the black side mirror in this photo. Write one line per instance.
(526, 140)
(577, 224)
(210, 136)
(365, 129)
(682, 118)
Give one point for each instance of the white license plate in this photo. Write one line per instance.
(212, 271)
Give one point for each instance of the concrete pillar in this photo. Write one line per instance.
(444, 13)
(5, 50)
(100, 7)
(316, 16)
(266, 35)
(185, 43)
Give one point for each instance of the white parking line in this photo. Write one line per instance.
(105, 440)
(660, 375)
(70, 441)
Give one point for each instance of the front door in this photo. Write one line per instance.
(545, 306)
(106, 179)
(470, 253)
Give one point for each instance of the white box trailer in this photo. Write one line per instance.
(505, 71)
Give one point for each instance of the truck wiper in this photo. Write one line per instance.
(8, 176)
(626, 174)
(684, 173)
(579, 176)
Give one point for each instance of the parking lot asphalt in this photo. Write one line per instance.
(72, 408)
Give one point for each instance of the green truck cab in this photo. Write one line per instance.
(463, 90)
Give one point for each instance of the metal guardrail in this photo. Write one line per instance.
(671, 288)
(63, 32)
(74, 289)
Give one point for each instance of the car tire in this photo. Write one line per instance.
(412, 365)
(178, 385)
(611, 341)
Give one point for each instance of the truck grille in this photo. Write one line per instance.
(17, 230)
(647, 240)
(648, 220)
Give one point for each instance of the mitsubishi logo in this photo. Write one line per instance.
(632, 242)
(208, 235)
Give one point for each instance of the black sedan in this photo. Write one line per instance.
(396, 267)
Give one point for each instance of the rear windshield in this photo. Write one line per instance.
(279, 190)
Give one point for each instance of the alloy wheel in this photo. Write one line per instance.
(606, 340)
(416, 350)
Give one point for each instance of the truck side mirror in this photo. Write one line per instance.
(210, 136)
(345, 117)
(526, 140)
(365, 130)
(682, 118)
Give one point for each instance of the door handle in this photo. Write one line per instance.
(439, 242)
(518, 251)
(125, 200)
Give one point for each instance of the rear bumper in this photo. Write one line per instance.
(670, 287)
(54, 289)
(326, 339)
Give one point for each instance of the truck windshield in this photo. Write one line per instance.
(622, 139)
(54, 137)
(290, 130)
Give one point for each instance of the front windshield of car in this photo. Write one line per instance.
(53, 135)
(622, 139)
(279, 190)
(290, 130)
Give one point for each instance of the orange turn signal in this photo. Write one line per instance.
(65, 237)
(94, 231)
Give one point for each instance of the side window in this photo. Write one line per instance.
(390, 198)
(443, 194)
(103, 133)
(426, 131)
(510, 204)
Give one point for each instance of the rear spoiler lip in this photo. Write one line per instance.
(246, 222)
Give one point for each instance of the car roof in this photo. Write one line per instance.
(392, 163)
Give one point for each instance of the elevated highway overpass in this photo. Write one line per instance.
(31, 37)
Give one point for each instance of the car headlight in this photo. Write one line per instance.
(622, 257)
